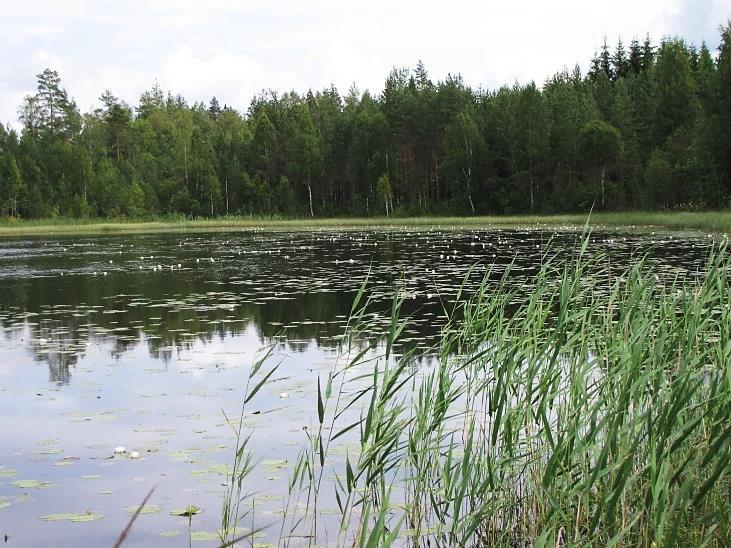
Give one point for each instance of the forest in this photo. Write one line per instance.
(648, 127)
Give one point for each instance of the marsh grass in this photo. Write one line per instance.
(579, 410)
(718, 222)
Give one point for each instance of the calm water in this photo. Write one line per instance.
(144, 341)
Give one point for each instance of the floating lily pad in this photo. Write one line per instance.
(76, 518)
(91, 476)
(216, 536)
(186, 512)
(274, 465)
(34, 484)
(8, 472)
(272, 497)
(54, 451)
(169, 534)
(204, 535)
(146, 509)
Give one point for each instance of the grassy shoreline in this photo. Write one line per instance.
(715, 222)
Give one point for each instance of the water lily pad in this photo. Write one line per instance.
(91, 476)
(8, 472)
(187, 511)
(169, 534)
(146, 509)
(204, 536)
(54, 451)
(76, 518)
(34, 484)
(271, 497)
(48, 442)
(216, 536)
(274, 465)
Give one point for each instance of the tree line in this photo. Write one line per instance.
(647, 127)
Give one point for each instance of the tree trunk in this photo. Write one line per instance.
(309, 192)
(603, 198)
(185, 162)
(532, 197)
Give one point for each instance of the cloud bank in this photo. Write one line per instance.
(233, 49)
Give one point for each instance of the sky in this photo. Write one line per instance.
(233, 49)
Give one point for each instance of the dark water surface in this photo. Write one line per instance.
(142, 341)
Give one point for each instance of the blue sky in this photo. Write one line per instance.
(234, 48)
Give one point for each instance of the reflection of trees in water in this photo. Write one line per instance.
(59, 366)
(59, 332)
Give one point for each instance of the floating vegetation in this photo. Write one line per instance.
(146, 509)
(34, 484)
(75, 518)
(187, 512)
(54, 451)
(217, 535)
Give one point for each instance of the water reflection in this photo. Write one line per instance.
(142, 341)
(176, 290)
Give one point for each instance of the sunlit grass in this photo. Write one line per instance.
(716, 222)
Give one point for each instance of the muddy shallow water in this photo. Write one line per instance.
(143, 341)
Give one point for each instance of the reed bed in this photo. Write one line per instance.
(581, 410)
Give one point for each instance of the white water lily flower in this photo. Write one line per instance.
(283, 396)
(134, 455)
(119, 450)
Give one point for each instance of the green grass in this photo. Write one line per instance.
(715, 222)
(581, 410)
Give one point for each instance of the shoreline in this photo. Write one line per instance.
(718, 223)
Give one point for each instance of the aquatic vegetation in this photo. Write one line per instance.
(466, 353)
(34, 484)
(187, 512)
(146, 509)
(75, 518)
(578, 409)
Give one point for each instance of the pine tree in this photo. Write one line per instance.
(635, 56)
(214, 108)
(605, 61)
(648, 54)
(620, 63)
(723, 92)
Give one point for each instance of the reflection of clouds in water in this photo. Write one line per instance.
(156, 356)
(299, 285)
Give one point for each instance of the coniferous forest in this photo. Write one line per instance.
(648, 127)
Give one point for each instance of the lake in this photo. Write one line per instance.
(144, 341)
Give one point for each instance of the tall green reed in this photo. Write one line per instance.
(579, 409)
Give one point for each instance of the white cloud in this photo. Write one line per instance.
(233, 49)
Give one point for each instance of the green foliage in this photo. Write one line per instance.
(444, 147)
(579, 409)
